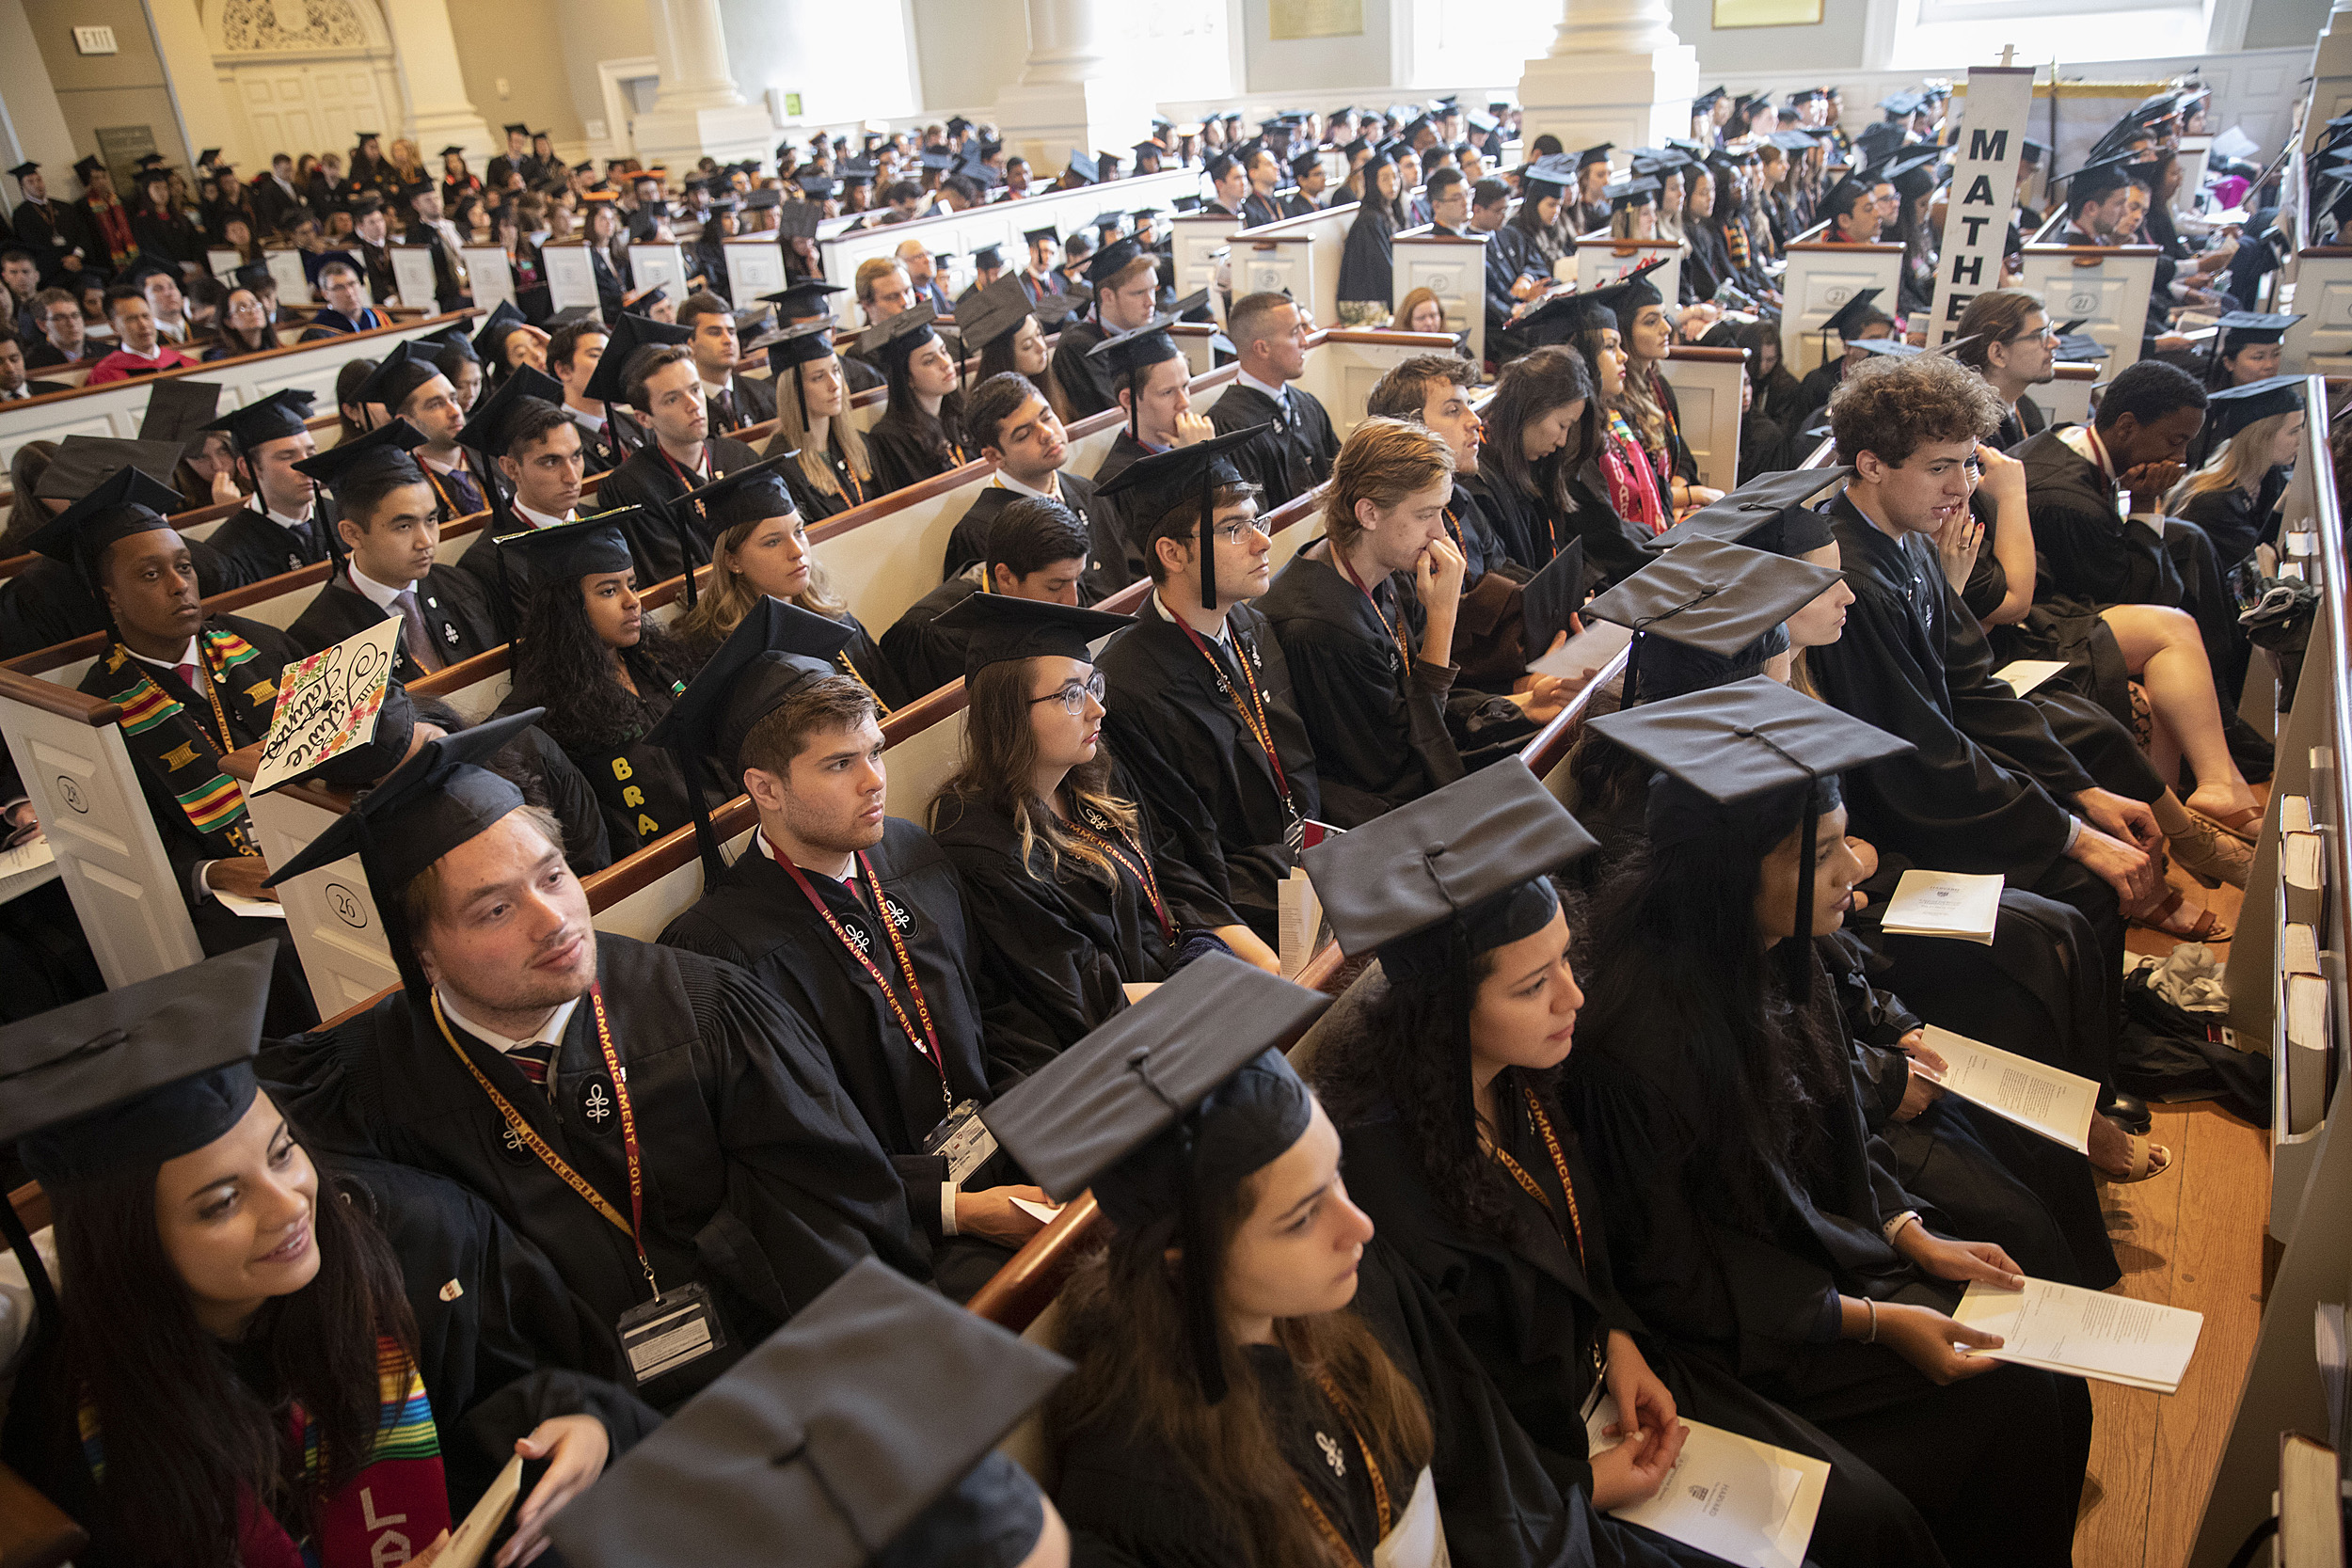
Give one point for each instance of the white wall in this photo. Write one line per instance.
(845, 61)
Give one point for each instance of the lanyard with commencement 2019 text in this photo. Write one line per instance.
(1381, 1507)
(632, 1227)
(1253, 713)
(1139, 867)
(926, 1042)
(1395, 633)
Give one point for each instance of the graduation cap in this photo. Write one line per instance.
(773, 652)
(1791, 141)
(989, 258)
(1848, 319)
(129, 501)
(1630, 296)
(790, 347)
(254, 276)
(1714, 598)
(1551, 597)
(396, 378)
(1902, 106)
(1085, 167)
(1629, 194)
(282, 414)
(1304, 163)
(180, 409)
(1768, 512)
(1163, 480)
(2030, 153)
(1591, 155)
(1914, 176)
(84, 168)
(442, 798)
(489, 344)
(28, 166)
(393, 439)
(985, 315)
(1707, 100)
(2075, 344)
(1555, 171)
(631, 332)
(1109, 260)
(1562, 316)
(2096, 180)
(803, 299)
(899, 337)
(2235, 407)
(860, 1433)
(998, 628)
(1218, 165)
(1888, 348)
(1173, 1103)
(641, 301)
(2241, 327)
(584, 547)
(485, 429)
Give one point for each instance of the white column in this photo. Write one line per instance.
(1077, 90)
(1615, 73)
(697, 111)
(205, 111)
(433, 83)
(2331, 73)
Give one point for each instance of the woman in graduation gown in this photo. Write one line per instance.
(2234, 496)
(1648, 401)
(1711, 1088)
(920, 433)
(605, 672)
(760, 550)
(1633, 489)
(607, 258)
(1543, 426)
(1367, 262)
(835, 470)
(230, 1371)
(1227, 1408)
(1443, 1072)
(1073, 887)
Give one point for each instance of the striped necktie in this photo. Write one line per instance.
(534, 1061)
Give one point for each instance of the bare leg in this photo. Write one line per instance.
(2164, 653)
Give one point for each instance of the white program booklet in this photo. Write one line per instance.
(1582, 655)
(2065, 1329)
(1945, 904)
(2039, 1097)
(1746, 1502)
(2024, 675)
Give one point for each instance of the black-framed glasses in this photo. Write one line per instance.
(1073, 695)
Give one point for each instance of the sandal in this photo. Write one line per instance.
(2210, 853)
(2144, 1166)
(2168, 918)
(2240, 825)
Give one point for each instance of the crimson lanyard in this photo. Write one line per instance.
(633, 1227)
(926, 1043)
(1394, 635)
(1139, 868)
(1254, 721)
(682, 476)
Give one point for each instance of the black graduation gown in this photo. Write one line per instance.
(1368, 260)
(761, 1181)
(814, 504)
(2233, 520)
(1112, 562)
(603, 447)
(749, 402)
(756, 917)
(1535, 1312)
(2025, 420)
(646, 480)
(511, 1345)
(1288, 461)
(51, 231)
(1083, 382)
(167, 237)
(456, 611)
(926, 655)
(447, 293)
(1067, 943)
(638, 786)
(901, 459)
(253, 545)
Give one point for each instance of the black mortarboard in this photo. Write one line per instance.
(899, 337)
(631, 332)
(489, 344)
(391, 439)
(129, 501)
(1709, 99)
(861, 1433)
(1888, 348)
(1553, 595)
(1630, 193)
(819, 186)
(803, 299)
(2097, 179)
(1218, 165)
(997, 627)
(181, 410)
(135, 1076)
(2031, 152)
(1108, 262)
(2240, 327)
(641, 302)
(1711, 595)
(746, 496)
(774, 650)
(1848, 320)
(393, 381)
(1162, 481)
(1914, 176)
(256, 277)
(989, 256)
(1591, 155)
(285, 413)
(1630, 294)
(1085, 167)
(1902, 104)
(1171, 1104)
(1130, 354)
(1753, 514)
(84, 166)
(995, 311)
(797, 344)
(1032, 236)
(443, 797)
(2233, 408)
(486, 427)
(28, 166)
(1792, 141)
(2075, 344)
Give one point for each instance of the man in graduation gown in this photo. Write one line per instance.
(390, 535)
(660, 380)
(1016, 429)
(1264, 172)
(1153, 384)
(1296, 455)
(347, 309)
(538, 451)
(191, 688)
(671, 1140)
(732, 401)
(1126, 285)
(409, 385)
(517, 159)
(47, 228)
(607, 433)
(371, 236)
(857, 922)
(1200, 709)
(283, 526)
(1035, 550)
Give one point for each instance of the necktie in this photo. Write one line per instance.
(722, 410)
(187, 673)
(1282, 409)
(419, 636)
(467, 493)
(534, 1061)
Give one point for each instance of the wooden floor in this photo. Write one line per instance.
(2194, 1239)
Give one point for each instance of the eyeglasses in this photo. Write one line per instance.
(1073, 695)
(1231, 532)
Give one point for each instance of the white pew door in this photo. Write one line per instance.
(330, 913)
(2108, 289)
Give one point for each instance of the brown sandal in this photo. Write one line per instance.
(2243, 825)
(2169, 918)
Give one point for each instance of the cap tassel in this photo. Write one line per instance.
(1135, 408)
(1208, 538)
(706, 836)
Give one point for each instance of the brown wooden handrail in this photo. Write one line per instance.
(1551, 746)
(1696, 353)
(63, 701)
(1019, 1291)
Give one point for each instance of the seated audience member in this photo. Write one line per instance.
(344, 289)
(283, 525)
(856, 921)
(760, 550)
(243, 327)
(390, 536)
(603, 673)
(937, 1384)
(192, 689)
(2006, 336)
(2235, 498)
(1443, 1075)
(1011, 424)
(1367, 280)
(835, 470)
(538, 451)
(1619, 462)
(921, 433)
(606, 429)
(1371, 648)
(1154, 392)
(1081, 897)
(411, 385)
(732, 402)
(1036, 549)
(681, 453)
(1269, 333)
(1857, 321)
(1008, 330)
(62, 339)
(214, 1288)
(141, 349)
(732, 1110)
(1126, 285)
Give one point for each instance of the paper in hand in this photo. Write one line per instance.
(2065, 1329)
(1945, 904)
(329, 703)
(471, 1540)
(2024, 675)
(2041, 1098)
(1587, 653)
(1741, 1500)
(1550, 598)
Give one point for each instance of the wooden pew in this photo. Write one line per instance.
(2321, 343)
(1452, 267)
(116, 409)
(1601, 260)
(2109, 285)
(1821, 278)
(2067, 399)
(1299, 256)
(1705, 381)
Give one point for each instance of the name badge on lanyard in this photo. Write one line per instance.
(675, 1328)
(962, 1139)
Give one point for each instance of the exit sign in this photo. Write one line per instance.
(792, 104)
(94, 40)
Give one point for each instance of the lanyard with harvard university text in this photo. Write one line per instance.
(926, 1042)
